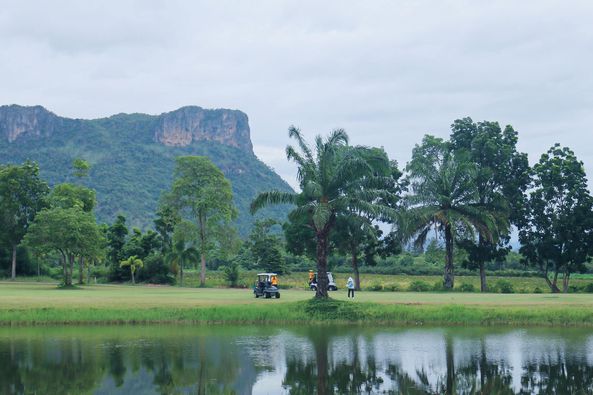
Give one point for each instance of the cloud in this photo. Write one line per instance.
(386, 71)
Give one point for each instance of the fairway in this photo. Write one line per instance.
(45, 295)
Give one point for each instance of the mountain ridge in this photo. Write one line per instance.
(133, 155)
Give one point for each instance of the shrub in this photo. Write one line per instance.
(392, 287)
(588, 288)
(376, 287)
(573, 289)
(467, 288)
(537, 290)
(406, 260)
(505, 287)
(419, 286)
(231, 273)
(438, 286)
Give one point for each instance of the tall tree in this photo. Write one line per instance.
(557, 236)
(69, 231)
(335, 180)
(444, 197)
(22, 195)
(116, 240)
(501, 178)
(201, 192)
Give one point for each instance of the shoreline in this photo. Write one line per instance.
(311, 312)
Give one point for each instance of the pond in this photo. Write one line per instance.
(294, 360)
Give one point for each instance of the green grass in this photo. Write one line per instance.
(298, 280)
(35, 303)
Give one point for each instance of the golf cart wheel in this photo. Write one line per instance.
(313, 288)
(277, 295)
(268, 296)
(256, 295)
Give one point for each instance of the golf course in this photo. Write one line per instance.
(44, 303)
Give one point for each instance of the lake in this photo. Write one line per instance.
(188, 359)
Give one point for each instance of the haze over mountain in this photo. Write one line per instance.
(133, 155)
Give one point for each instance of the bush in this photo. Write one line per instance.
(537, 290)
(588, 288)
(573, 289)
(392, 287)
(376, 287)
(406, 260)
(505, 287)
(419, 286)
(231, 274)
(467, 288)
(438, 286)
(155, 271)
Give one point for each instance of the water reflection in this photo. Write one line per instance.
(309, 360)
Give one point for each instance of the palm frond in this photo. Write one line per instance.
(271, 198)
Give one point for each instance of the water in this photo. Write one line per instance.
(294, 360)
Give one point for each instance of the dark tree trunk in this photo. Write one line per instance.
(321, 351)
(203, 270)
(449, 278)
(552, 284)
(64, 260)
(13, 268)
(70, 270)
(322, 281)
(355, 269)
(483, 285)
(81, 270)
(565, 282)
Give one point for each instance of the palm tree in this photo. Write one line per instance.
(335, 180)
(134, 263)
(443, 197)
(181, 255)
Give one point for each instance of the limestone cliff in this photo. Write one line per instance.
(177, 128)
(17, 120)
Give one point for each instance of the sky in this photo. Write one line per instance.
(386, 71)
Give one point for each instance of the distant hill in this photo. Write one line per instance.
(133, 155)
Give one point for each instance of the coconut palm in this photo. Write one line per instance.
(134, 263)
(443, 197)
(181, 255)
(335, 180)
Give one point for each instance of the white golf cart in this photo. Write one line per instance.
(331, 285)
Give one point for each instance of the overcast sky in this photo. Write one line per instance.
(386, 71)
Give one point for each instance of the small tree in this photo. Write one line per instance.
(181, 255)
(231, 273)
(134, 263)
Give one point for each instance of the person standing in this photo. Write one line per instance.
(350, 286)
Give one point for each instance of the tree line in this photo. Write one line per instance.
(467, 193)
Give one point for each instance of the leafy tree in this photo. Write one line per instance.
(69, 231)
(165, 223)
(22, 195)
(266, 247)
(501, 178)
(557, 236)
(73, 196)
(444, 196)
(116, 240)
(201, 192)
(335, 180)
(134, 263)
(81, 168)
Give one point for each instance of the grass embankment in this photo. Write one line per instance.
(34, 304)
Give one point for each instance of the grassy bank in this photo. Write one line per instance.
(34, 304)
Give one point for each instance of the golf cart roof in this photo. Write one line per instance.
(266, 274)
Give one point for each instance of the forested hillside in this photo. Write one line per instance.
(132, 155)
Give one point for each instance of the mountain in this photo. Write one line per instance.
(133, 155)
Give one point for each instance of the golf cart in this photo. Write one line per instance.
(331, 285)
(263, 286)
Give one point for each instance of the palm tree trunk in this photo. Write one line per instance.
(449, 278)
(482, 265)
(13, 269)
(322, 281)
(355, 269)
(133, 279)
(202, 249)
